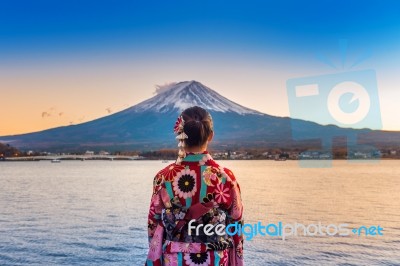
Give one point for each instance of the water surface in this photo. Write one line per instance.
(94, 212)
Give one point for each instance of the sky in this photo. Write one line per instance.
(69, 62)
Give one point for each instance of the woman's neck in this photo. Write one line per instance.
(196, 149)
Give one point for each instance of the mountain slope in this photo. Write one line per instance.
(189, 93)
(148, 125)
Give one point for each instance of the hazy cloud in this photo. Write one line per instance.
(165, 87)
(45, 114)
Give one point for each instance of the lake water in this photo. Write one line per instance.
(95, 212)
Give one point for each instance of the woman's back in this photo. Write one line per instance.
(201, 191)
(193, 201)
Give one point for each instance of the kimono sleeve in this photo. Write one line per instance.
(154, 225)
(235, 215)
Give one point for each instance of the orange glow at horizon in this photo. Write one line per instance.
(38, 97)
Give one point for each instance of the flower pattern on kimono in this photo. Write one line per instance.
(197, 259)
(237, 206)
(167, 210)
(223, 254)
(185, 183)
(226, 173)
(239, 249)
(155, 247)
(170, 259)
(186, 247)
(206, 159)
(151, 226)
(170, 172)
(180, 215)
(211, 176)
(156, 203)
(152, 211)
(222, 217)
(209, 197)
(157, 183)
(167, 213)
(221, 194)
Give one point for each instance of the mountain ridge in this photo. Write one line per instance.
(148, 125)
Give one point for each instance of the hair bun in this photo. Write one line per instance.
(198, 126)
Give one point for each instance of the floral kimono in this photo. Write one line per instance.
(200, 191)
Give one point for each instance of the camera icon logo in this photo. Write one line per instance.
(337, 106)
(341, 101)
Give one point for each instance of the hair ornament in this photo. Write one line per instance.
(181, 144)
(181, 136)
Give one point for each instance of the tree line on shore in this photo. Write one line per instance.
(7, 150)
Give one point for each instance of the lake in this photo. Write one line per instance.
(95, 212)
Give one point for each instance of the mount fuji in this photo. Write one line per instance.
(148, 125)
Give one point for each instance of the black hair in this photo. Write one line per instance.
(198, 126)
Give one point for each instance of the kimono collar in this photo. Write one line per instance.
(194, 157)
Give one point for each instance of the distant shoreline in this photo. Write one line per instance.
(234, 154)
(16, 159)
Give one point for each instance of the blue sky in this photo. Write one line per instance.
(284, 26)
(133, 45)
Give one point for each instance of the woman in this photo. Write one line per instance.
(188, 195)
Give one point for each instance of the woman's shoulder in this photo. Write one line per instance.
(169, 172)
(226, 172)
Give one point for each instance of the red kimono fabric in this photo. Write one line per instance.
(178, 192)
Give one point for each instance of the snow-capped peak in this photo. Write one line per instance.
(190, 93)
